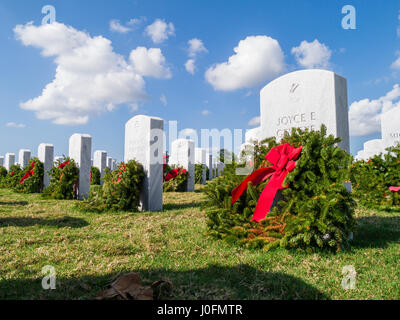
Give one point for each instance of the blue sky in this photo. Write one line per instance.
(365, 56)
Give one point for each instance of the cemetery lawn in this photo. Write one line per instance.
(88, 250)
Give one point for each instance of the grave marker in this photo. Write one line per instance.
(23, 157)
(80, 149)
(100, 161)
(144, 138)
(9, 160)
(305, 99)
(182, 154)
(46, 155)
(200, 158)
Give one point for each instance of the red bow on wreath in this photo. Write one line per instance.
(62, 166)
(283, 159)
(173, 174)
(122, 169)
(394, 189)
(30, 172)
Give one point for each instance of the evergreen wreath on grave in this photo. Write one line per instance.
(374, 181)
(95, 176)
(13, 177)
(3, 176)
(119, 192)
(175, 178)
(32, 177)
(64, 181)
(198, 173)
(315, 209)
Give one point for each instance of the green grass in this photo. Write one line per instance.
(89, 250)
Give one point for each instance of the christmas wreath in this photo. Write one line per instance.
(174, 177)
(295, 197)
(198, 173)
(13, 177)
(32, 178)
(375, 182)
(119, 192)
(3, 176)
(95, 176)
(64, 181)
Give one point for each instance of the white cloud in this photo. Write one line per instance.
(159, 30)
(206, 112)
(190, 66)
(365, 115)
(163, 100)
(396, 64)
(195, 47)
(15, 125)
(254, 121)
(90, 77)
(116, 26)
(398, 26)
(149, 62)
(312, 55)
(136, 21)
(256, 60)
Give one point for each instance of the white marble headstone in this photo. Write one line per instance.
(109, 163)
(46, 155)
(23, 157)
(305, 99)
(80, 149)
(9, 160)
(390, 127)
(144, 138)
(100, 161)
(200, 158)
(373, 148)
(214, 163)
(209, 165)
(182, 154)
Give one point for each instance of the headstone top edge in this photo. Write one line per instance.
(301, 72)
(139, 116)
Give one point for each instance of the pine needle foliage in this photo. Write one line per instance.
(198, 173)
(315, 212)
(34, 183)
(371, 180)
(63, 181)
(119, 192)
(95, 176)
(177, 184)
(13, 177)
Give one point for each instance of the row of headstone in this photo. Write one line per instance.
(144, 143)
(79, 150)
(390, 131)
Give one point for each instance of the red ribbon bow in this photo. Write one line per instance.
(62, 165)
(30, 172)
(394, 189)
(173, 174)
(283, 159)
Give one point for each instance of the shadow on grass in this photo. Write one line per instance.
(13, 203)
(215, 282)
(376, 232)
(29, 221)
(177, 206)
